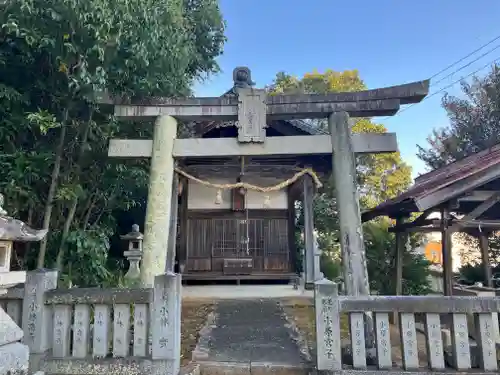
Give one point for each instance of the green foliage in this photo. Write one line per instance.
(57, 58)
(474, 122)
(330, 267)
(380, 254)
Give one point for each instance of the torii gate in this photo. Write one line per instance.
(252, 108)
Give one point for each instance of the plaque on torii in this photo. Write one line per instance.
(252, 109)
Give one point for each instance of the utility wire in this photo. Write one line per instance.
(447, 87)
(455, 71)
(463, 58)
(466, 65)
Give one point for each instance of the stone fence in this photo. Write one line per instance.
(97, 331)
(461, 354)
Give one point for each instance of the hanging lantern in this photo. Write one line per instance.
(218, 197)
(267, 201)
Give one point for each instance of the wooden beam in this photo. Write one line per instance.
(486, 224)
(398, 264)
(172, 229)
(416, 229)
(183, 216)
(400, 249)
(226, 147)
(477, 196)
(291, 230)
(308, 259)
(478, 211)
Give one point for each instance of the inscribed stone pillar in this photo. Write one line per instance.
(166, 323)
(308, 260)
(37, 317)
(328, 349)
(158, 211)
(351, 233)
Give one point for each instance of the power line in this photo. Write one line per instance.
(455, 71)
(447, 87)
(463, 58)
(466, 65)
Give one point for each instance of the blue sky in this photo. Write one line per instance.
(390, 42)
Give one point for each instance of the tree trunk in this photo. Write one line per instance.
(74, 202)
(52, 189)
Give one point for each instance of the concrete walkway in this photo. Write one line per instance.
(251, 333)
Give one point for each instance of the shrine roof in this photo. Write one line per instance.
(301, 126)
(480, 171)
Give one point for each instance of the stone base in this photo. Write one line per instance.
(14, 359)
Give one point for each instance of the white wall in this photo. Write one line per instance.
(202, 197)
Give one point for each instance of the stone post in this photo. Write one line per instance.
(37, 317)
(355, 272)
(158, 211)
(328, 349)
(166, 324)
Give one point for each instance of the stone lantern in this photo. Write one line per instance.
(134, 252)
(14, 353)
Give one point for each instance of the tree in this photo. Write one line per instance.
(57, 59)
(381, 261)
(474, 122)
(379, 177)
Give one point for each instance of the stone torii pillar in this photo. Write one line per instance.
(159, 206)
(351, 231)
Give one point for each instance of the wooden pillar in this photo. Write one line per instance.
(183, 217)
(398, 265)
(291, 230)
(485, 257)
(156, 228)
(351, 232)
(172, 230)
(446, 247)
(401, 238)
(307, 200)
